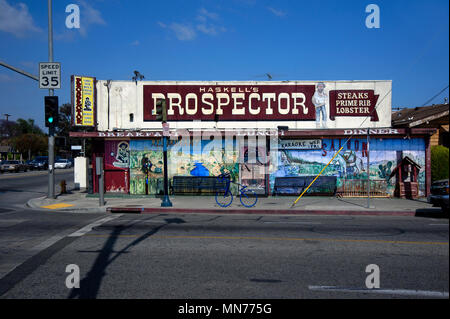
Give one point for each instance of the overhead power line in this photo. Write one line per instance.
(435, 96)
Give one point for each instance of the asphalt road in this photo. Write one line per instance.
(217, 256)
(17, 188)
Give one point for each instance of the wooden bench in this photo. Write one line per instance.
(324, 185)
(196, 185)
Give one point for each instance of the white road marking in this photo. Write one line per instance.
(86, 229)
(286, 222)
(403, 292)
(6, 269)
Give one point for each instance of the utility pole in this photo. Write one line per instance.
(7, 127)
(108, 86)
(51, 129)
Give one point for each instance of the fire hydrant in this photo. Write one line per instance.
(63, 187)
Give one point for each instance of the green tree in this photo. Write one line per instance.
(30, 144)
(27, 127)
(65, 120)
(7, 129)
(24, 136)
(63, 130)
(439, 162)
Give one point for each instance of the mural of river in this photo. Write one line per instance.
(197, 159)
(351, 163)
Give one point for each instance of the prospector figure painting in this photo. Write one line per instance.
(123, 155)
(320, 100)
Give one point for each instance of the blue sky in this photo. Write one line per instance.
(227, 40)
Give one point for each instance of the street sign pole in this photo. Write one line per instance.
(166, 201)
(51, 129)
(101, 180)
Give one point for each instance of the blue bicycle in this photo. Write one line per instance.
(224, 197)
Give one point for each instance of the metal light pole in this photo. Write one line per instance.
(31, 76)
(51, 129)
(368, 168)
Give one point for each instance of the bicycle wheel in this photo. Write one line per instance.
(248, 198)
(224, 199)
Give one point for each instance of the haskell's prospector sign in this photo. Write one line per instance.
(83, 100)
(271, 102)
(231, 103)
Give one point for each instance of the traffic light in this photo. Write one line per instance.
(51, 111)
(161, 111)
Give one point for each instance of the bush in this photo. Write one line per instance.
(439, 162)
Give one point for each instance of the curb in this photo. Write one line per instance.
(64, 210)
(143, 210)
(30, 204)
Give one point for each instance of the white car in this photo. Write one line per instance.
(63, 163)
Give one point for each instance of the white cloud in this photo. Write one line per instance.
(278, 13)
(186, 32)
(207, 14)
(183, 32)
(211, 30)
(162, 25)
(16, 20)
(135, 42)
(204, 27)
(66, 35)
(89, 16)
(201, 18)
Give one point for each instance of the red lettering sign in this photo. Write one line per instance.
(231, 102)
(353, 103)
(78, 101)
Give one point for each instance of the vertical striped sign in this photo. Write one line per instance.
(83, 97)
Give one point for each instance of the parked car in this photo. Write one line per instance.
(439, 194)
(39, 162)
(13, 166)
(63, 163)
(29, 164)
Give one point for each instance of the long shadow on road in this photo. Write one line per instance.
(90, 285)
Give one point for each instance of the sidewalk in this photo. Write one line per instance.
(82, 202)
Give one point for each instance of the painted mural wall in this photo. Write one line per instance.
(116, 164)
(146, 167)
(253, 173)
(351, 163)
(145, 161)
(197, 159)
(201, 159)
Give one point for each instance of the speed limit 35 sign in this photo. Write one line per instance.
(49, 75)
